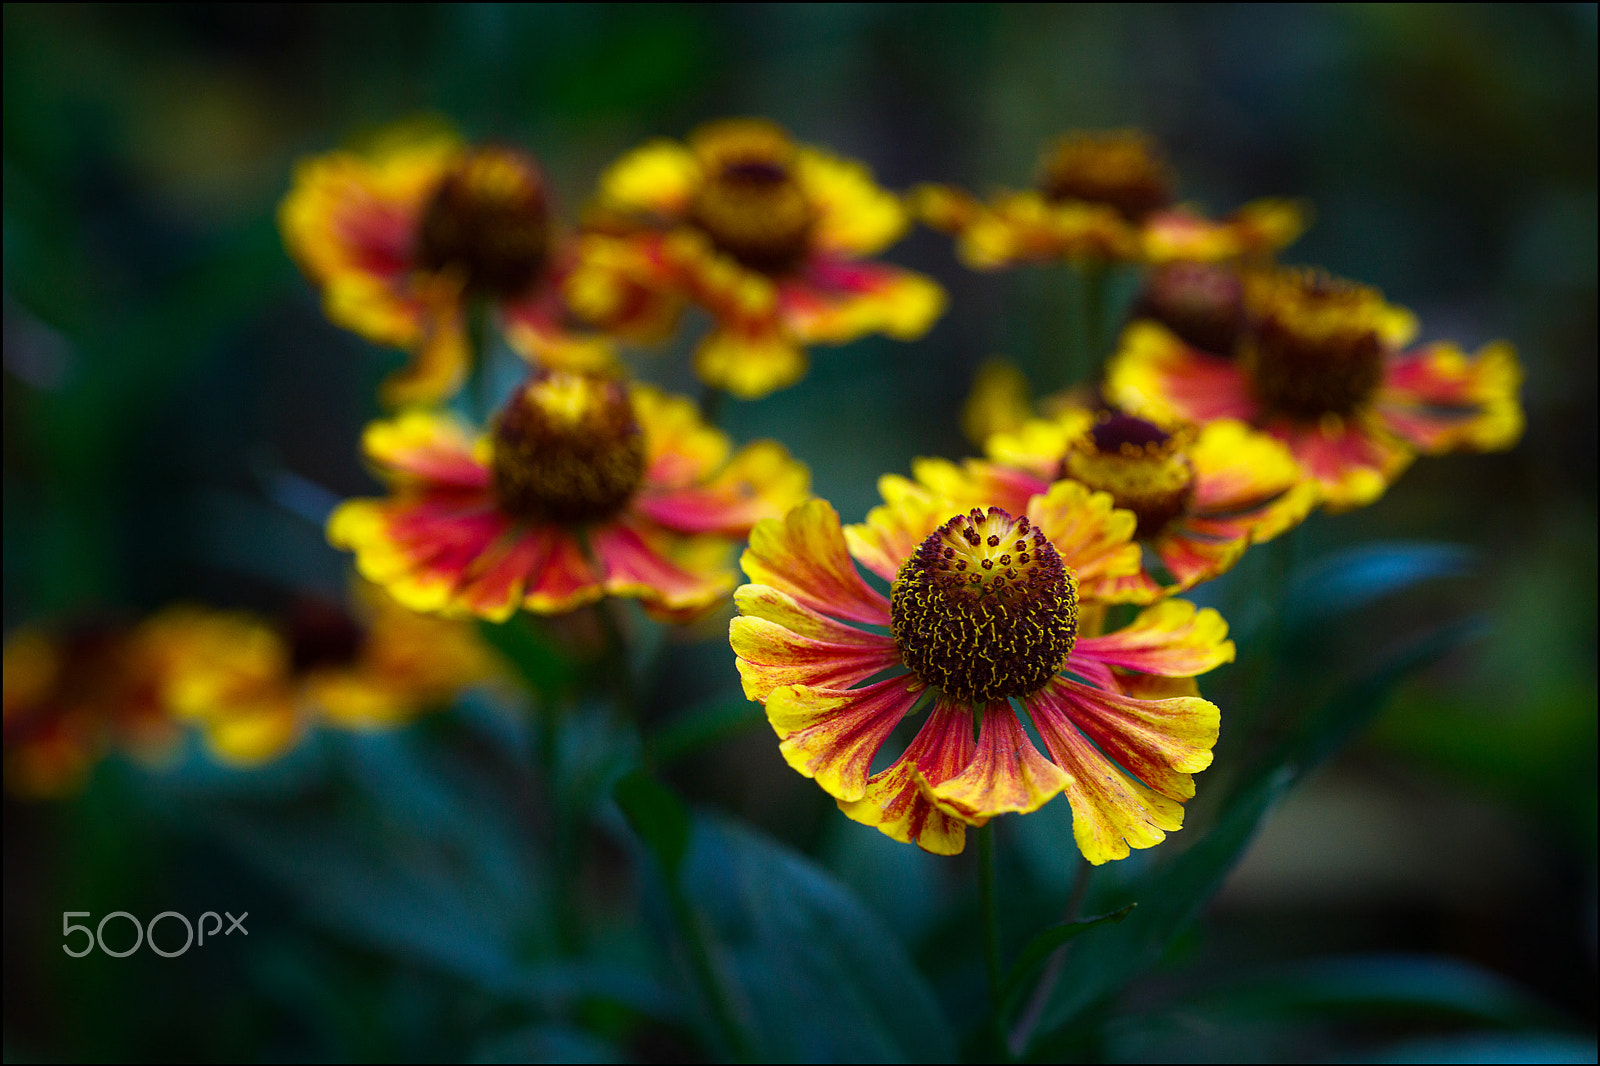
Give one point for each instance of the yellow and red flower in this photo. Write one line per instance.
(1320, 366)
(405, 238)
(1200, 496)
(585, 487)
(1102, 196)
(770, 237)
(983, 616)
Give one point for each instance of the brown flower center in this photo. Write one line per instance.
(1202, 303)
(320, 633)
(567, 448)
(1120, 168)
(984, 609)
(488, 221)
(1144, 468)
(1314, 345)
(748, 201)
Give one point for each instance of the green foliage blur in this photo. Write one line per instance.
(1413, 712)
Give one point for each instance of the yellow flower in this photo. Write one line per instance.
(770, 237)
(1102, 196)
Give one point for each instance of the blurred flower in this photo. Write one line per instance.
(585, 487)
(1101, 196)
(73, 696)
(1319, 366)
(768, 236)
(998, 402)
(984, 612)
(406, 238)
(1201, 497)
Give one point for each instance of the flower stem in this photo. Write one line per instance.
(991, 914)
(1022, 1032)
(1093, 275)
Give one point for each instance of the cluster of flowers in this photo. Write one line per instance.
(1241, 396)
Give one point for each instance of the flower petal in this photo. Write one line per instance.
(854, 215)
(422, 550)
(762, 481)
(429, 448)
(832, 735)
(1439, 400)
(771, 656)
(1006, 774)
(1352, 460)
(837, 300)
(442, 356)
(998, 402)
(893, 530)
(1094, 536)
(565, 580)
(898, 800)
(1247, 484)
(1038, 445)
(1156, 375)
(1171, 639)
(749, 359)
(540, 328)
(646, 563)
(804, 555)
(976, 483)
(657, 179)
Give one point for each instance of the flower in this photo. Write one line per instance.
(584, 487)
(983, 615)
(1101, 196)
(1319, 365)
(770, 237)
(252, 687)
(1200, 497)
(74, 695)
(405, 238)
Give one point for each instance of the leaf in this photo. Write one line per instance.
(701, 727)
(1354, 578)
(544, 668)
(1044, 944)
(1487, 1047)
(812, 976)
(658, 816)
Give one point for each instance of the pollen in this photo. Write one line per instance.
(984, 609)
(749, 202)
(1144, 467)
(567, 448)
(1120, 168)
(488, 221)
(1314, 345)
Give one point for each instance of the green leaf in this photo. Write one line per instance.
(658, 816)
(1346, 580)
(1040, 948)
(811, 974)
(701, 727)
(544, 668)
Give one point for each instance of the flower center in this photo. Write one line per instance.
(1144, 468)
(748, 201)
(487, 220)
(1120, 168)
(567, 448)
(321, 634)
(1314, 346)
(1201, 303)
(984, 608)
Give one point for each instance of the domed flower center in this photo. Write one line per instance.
(1144, 468)
(984, 608)
(1203, 304)
(487, 220)
(320, 633)
(748, 201)
(1314, 346)
(567, 448)
(1120, 168)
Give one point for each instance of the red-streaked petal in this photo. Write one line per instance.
(892, 531)
(566, 580)
(427, 448)
(898, 800)
(1171, 638)
(762, 481)
(832, 735)
(1156, 375)
(1439, 400)
(771, 656)
(442, 356)
(638, 561)
(1353, 460)
(1007, 774)
(1091, 533)
(837, 300)
(804, 555)
(1110, 811)
(539, 327)
(980, 484)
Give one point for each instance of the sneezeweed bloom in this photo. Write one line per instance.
(585, 487)
(1320, 366)
(983, 618)
(252, 687)
(1102, 197)
(772, 238)
(406, 238)
(74, 696)
(1201, 496)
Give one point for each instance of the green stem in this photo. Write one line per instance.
(479, 339)
(1093, 274)
(1022, 1032)
(705, 974)
(991, 914)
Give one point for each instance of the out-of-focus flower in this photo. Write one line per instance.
(998, 403)
(1102, 196)
(585, 487)
(1319, 365)
(983, 615)
(770, 237)
(405, 238)
(74, 696)
(1201, 497)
